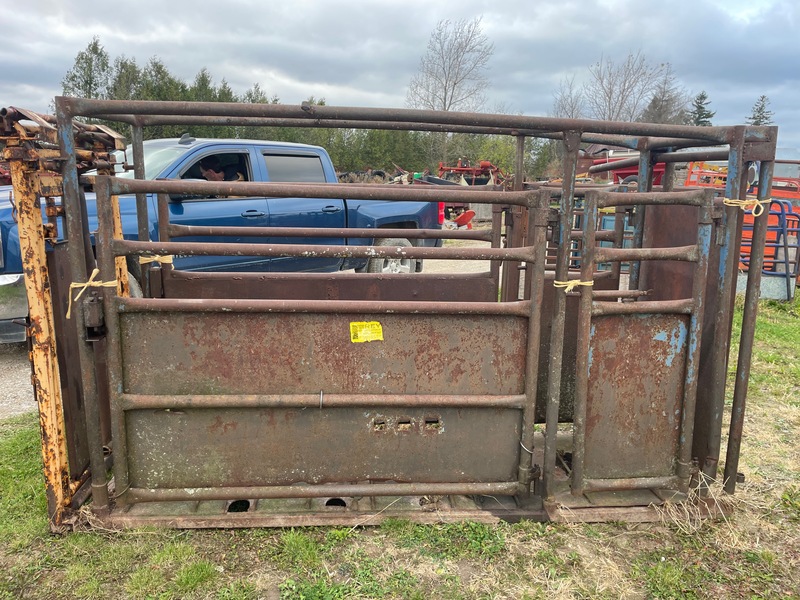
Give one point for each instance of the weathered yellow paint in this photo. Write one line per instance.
(123, 286)
(46, 379)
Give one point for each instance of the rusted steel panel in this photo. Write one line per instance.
(565, 405)
(224, 353)
(421, 287)
(66, 350)
(636, 380)
(230, 447)
(669, 280)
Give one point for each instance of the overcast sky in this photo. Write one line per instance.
(365, 53)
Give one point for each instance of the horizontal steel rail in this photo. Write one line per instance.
(125, 247)
(500, 488)
(159, 305)
(694, 197)
(335, 191)
(682, 253)
(631, 483)
(315, 114)
(680, 307)
(484, 235)
(321, 400)
(323, 277)
(662, 157)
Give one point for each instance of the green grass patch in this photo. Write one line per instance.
(451, 540)
(23, 504)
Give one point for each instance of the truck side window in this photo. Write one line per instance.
(231, 163)
(298, 168)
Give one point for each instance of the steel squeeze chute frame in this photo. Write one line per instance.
(249, 391)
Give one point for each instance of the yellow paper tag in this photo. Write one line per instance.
(365, 331)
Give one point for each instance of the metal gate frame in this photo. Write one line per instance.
(91, 332)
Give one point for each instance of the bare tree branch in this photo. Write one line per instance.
(452, 72)
(568, 101)
(619, 92)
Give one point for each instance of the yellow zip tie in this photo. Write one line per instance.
(571, 284)
(164, 260)
(753, 204)
(82, 287)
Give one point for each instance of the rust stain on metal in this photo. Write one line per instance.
(45, 372)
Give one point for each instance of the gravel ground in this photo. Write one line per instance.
(16, 395)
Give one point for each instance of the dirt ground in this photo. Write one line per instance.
(16, 395)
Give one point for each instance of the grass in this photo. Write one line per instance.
(755, 553)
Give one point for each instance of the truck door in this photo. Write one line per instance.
(302, 167)
(221, 211)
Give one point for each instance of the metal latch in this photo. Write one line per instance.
(93, 318)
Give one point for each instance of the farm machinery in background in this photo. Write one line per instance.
(458, 215)
(781, 253)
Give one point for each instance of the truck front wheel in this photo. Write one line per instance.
(392, 265)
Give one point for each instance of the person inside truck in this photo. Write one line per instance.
(212, 170)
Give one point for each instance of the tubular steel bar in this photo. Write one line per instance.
(143, 223)
(502, 488)
(681, 198)
(314, 113)
(725, 281)
(582, 361)
(171, 401)
(646, 185)
(682, 253)
(105, 256)
(537, 234)
(678, 307)
(124, 247)
(315, 190)
(659, 157)
(631, 483)
(704, 226)
(520, 308)
(570, 169)
(748, 332)
(484, 235)
(76, 239)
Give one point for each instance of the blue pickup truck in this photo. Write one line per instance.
(246, 160)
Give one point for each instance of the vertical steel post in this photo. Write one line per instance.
(645, 183)
(695, 334)
(46, 377)
(105, 235)
(76, 252)
(572, 142)
(747, 337)
(582, 360)
(725, 279)
(537, 238)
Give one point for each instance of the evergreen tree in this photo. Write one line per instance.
(760, 115)
(700, 114)
(89, 76)
(126, 80)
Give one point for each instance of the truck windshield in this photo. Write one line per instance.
(156, 159)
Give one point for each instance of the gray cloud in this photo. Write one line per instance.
(363, 53)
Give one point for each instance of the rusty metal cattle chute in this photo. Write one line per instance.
(246, 399)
